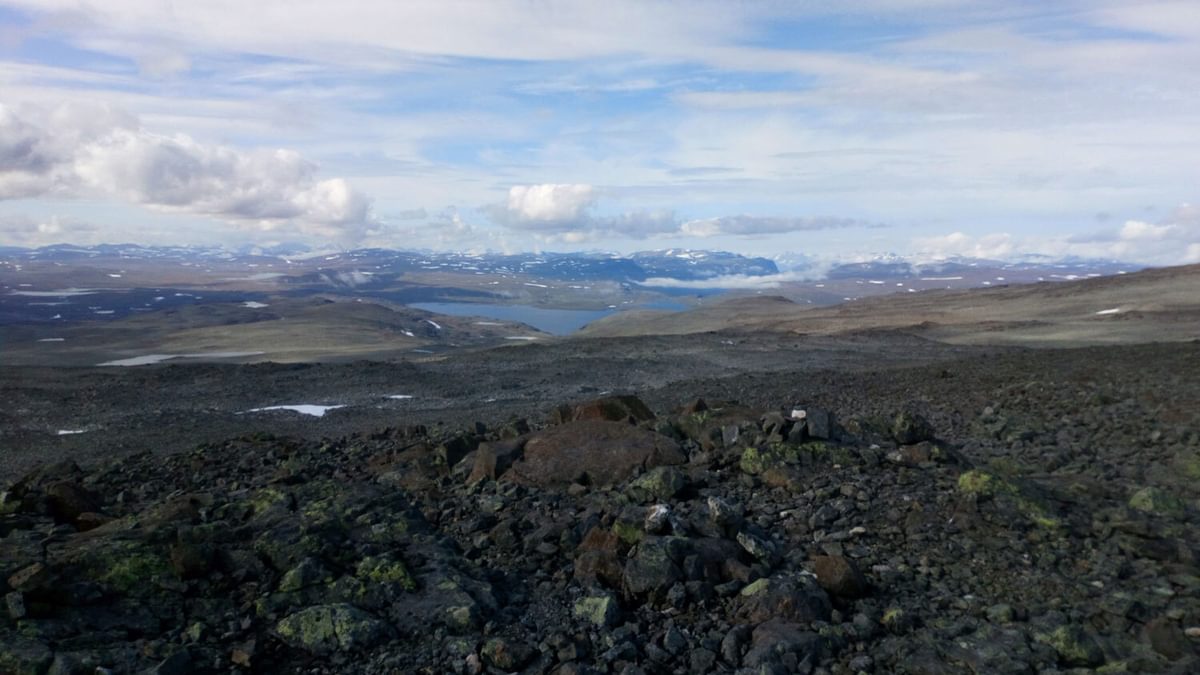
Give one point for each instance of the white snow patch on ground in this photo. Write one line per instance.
(409, 333)
(140, 360)
(1114, 310)
(115, 276)
(61, 293)
(69, 432)
(528, 283)
(877, 283)
(104, 311)
(53, 340)
(941, 278)
(521, 337)
(302, 408)
(149, 359)
(250, 304)
(488, 323)
(433, 323)
(399, 397)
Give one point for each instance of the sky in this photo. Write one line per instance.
(917, 127)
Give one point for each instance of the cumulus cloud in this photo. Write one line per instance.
(98, 151)
(566, 213)
(550, 205)
(1173, 240)
(1137, 230)
(21, 230)
(761, 225)
(996, 245)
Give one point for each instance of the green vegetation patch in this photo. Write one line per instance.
(386, 570)
(756, 460)
(979, 483)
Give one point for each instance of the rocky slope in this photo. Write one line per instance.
(1045, 533)
(1154, 305)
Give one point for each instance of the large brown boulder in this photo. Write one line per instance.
(595, 452)
(794, 599)
(493, 459)
(610, 408)
(840, 576)
(68, 500)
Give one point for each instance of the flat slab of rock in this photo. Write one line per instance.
(598, 452)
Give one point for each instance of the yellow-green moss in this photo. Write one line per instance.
(267, 498)
(385, 570)
(756, 587)
(130, 570)
(983, 484)
(1191, 466)
(600, 610)
(630, 533)
(1074, 646)
(756, 460)
(1156, 501)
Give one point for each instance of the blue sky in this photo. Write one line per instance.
(928, 127)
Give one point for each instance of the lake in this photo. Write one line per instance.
(554, 321)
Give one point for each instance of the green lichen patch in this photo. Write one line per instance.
(127, 568)
(1075, 647)
(328, 628)
(756, 460)
(983, 484)
(269, 500)
(628, 532)
(1157, 502)
(600, 610)
(756, 587)
(385, 570)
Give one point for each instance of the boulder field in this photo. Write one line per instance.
(712, 538)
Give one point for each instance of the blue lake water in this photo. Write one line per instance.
(554, 321)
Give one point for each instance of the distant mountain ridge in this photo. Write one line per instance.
(637, 267)
(679, 264)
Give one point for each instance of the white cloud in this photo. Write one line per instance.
(21, 230)
(565, 213)
(1173, 240)
(998, 245)
(1137, 230)
(549, 205)
(762, 225)
(77, 150)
